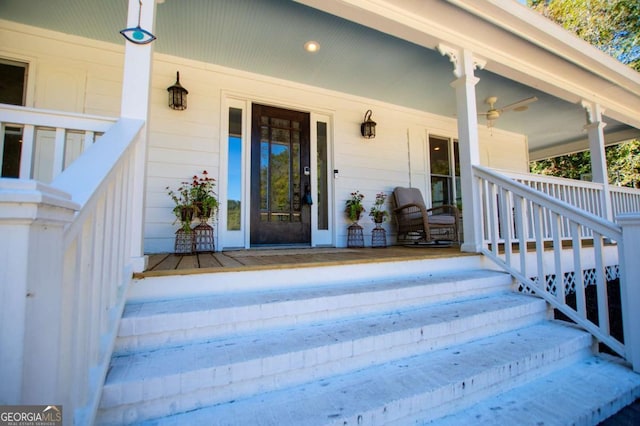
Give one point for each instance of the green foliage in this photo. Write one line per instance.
(613, 26)
(353, 206)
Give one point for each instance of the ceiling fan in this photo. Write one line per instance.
(494, 113)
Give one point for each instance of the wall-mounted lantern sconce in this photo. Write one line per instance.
(177, 95)
(368, 127)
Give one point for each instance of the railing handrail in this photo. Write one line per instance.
(15, 114)
(602, 226)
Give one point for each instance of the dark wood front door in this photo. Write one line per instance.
(280, 176)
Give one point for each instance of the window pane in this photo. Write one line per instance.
(440, 191)
(321, 196)
(439, 156)
(234, 171)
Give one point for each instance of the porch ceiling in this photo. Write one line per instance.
(267, 37)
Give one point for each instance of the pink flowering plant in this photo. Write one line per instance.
(196, 197)
(378, 211)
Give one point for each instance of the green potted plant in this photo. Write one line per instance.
(354, 207)
(184, 208)
(378, 212)
(203, 196)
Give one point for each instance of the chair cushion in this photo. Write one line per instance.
(442, 219)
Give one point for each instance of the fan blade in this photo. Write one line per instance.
(519, 104)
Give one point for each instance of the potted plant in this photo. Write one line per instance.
(203, 196)
(354, 207)
(184, 208)
(378, 212)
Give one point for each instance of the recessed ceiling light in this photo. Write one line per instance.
(312, 46)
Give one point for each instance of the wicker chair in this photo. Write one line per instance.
(416, 223)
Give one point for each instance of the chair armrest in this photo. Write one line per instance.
(410, 206)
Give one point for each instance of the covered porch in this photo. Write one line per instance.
(89, 205)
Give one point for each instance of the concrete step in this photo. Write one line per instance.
(157, 324)
(423, 387)
(167, 381)
(585, 393)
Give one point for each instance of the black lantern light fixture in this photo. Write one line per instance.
(177, 95)
(368, 127)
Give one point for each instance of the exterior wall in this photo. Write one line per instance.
(82, 75)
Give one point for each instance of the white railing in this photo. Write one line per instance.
(47, 141)
(83, 269)
(97, 261)
(582, 194)
(523, 231)
(624, 200)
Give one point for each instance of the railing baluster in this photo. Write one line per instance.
(561, 288)
(578, 274)
(89, 137)
(58, 152)
(601, 284)
(492, 200)
(505, 224)
(26, 152)
(539, 242)
(518, 211)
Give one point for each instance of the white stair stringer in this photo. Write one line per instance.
(401, 351)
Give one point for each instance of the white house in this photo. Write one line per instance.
(89, 146)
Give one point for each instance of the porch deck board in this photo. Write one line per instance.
(208, 260)
(166, 264)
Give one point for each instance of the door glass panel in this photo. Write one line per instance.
(280, 183)
(234, 170)
(321, 196)
(264, 180)
(296, 196)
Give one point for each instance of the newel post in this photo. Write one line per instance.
(630, 285)
(32, 221)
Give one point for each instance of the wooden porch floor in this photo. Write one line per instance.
(256, 259)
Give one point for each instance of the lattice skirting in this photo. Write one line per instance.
(588, 276)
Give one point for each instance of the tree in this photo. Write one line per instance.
(613, 26)
(623, 164)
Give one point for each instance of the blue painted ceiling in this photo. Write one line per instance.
(267, 37)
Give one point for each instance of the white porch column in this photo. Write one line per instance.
(630, 286)
(32, 221)
(136, 86)
(595, 130)
(464, 65)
